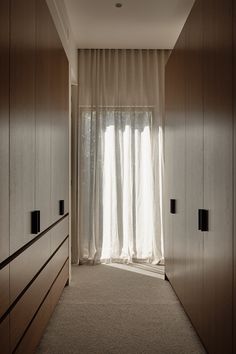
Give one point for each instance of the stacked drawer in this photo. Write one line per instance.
(35, 279)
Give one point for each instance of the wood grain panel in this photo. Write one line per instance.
(218, 170)
(4, 129)
(194, 165)
(35, 331)
(22, 123)
(31, 338)
(39, 107)
(179, 235)
(4, 292)
(4, 336)
(60, 257)
(59, 233)
(43, 116)
(169, 170)
(234, 108)
(56, 143)
(60, 125)
(20, 271)
(65, 130)
(26, 307)
(59, 285)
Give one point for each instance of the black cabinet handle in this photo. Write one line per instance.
(203, 220)
(34, 225)
(200, 219)
(61, 207)
(173, 206)
(35, 222)
(38, 220)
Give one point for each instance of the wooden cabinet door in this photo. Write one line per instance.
(194, 165)
(4, 128)
(234, 108)
(64, 130)
(60, 124)
(5, 335)
(65, 135)
(218, 172)
(179, 118)
(22, 122)
(169, 164)
(43, 116)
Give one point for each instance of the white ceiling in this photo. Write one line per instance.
(137, 24)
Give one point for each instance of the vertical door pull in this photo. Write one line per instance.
(35, 222)
(203, 220)
(38, 220)
(173, 206)
(61, 207)
(200, 219)
(34, 225)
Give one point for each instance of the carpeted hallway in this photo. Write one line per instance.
(107, 310)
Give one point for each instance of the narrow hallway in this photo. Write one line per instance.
(107, 310)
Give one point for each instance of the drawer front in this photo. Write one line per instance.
(59, 233)
(4, 289)
(20, 272)
(5, 336)
(36, 329)
(25, 309)
(59, 284)
(60, 257)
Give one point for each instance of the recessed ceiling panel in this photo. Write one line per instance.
(133, 24)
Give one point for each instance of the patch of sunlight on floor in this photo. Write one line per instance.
(155, 271)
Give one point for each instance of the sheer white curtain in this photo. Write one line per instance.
(120, 155)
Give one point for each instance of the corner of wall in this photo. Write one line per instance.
(59, 14)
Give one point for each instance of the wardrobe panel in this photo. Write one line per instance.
(42, 112)
(194, 165)
(4, 292)
(36, 329)
(169, 168)
(60, 123)
(22, 122)
(4, 336)
(31, 338)
(20, 273)
(59, 232)
(218, 171)
(4, 129)
(59, 284)
(65, 131)
(179, 236)
(26, 307)
(234, 107)
(60, 257)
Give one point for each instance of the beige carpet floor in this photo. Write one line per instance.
(107, 310)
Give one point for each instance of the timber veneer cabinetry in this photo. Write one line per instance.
(199, 108)
(34, 121)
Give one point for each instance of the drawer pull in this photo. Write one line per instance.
(173, 206)
(61, 207)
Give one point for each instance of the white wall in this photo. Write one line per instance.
(59, 15)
